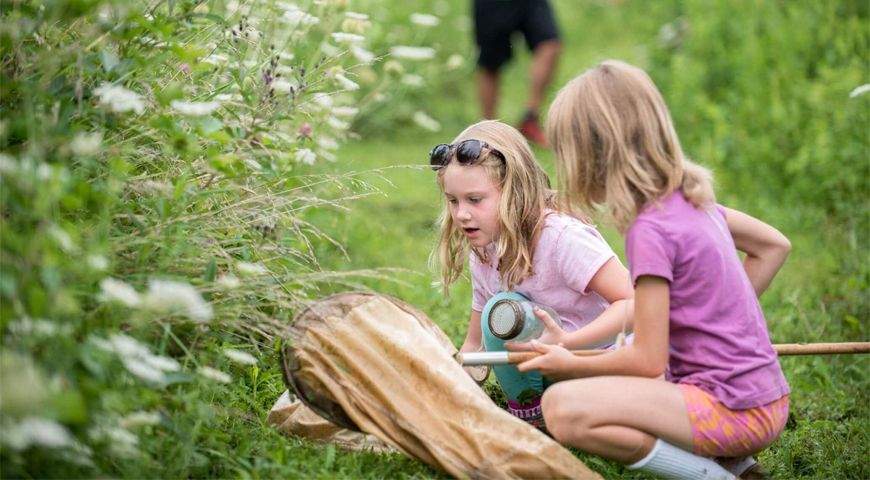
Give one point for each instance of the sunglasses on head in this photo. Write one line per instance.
(467, 152)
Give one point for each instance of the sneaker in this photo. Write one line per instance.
(531, 129)
(745, 468)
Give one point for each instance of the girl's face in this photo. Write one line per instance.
(473, 200)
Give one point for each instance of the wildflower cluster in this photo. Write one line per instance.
(153, 230)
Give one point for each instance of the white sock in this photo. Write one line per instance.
(675, 463)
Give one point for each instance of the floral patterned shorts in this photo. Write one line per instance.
(721, 432)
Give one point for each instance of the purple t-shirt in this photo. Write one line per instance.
(568, 254)
(718, 335)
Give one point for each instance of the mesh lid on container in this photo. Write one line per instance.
(506, 319)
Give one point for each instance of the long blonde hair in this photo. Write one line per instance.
(615, 144)
(525, 194)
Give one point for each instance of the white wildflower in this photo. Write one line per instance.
(138, 367)
(329, 49)
(253, 34)
(455, 61)
(37, 431)
(215, 59)
(194, 109)
(8, 165)
(413, 53)
(97, 263)
(287, 56)
(214, 374)
(327, 143)
(162, 363)
(425, 20)
(117, 291)
(298, 18)
(413, 80)
(62, 238)
(238, 356)
(181, 297)
(342, 37)
(283, 70)
(228, 282)
(37, 327)
(282, 86)
(356, 16)
(361, 54)
(426, 122)
(337, 123)
(345, 82)
(345, 111)
(306, 156)
(119, 99)
(224, 97)
(127, 346)
(286, 6)
(43, 172)
(86, 144)
(121, 442)
(323, 100)
(860, 90)
(251, 269)
(140, 418)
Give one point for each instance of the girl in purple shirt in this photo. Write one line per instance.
(696, 312)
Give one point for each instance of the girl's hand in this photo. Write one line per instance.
(552, 335)
(553, 363)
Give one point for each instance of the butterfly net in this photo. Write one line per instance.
(384, 376)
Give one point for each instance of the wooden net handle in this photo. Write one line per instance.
(780, 348)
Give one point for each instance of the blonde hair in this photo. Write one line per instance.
(525, 194)
(615, 144)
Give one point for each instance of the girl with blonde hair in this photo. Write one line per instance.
(696, 312)
(499, 216)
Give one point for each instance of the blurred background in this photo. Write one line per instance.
(179, 178)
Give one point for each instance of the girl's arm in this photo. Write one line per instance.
(613, 283)
(765, 247)
(646, 357)
(474, 338)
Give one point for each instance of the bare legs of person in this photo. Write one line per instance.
(546, 56)
(488, 87)
(544, 60)
(637, 421)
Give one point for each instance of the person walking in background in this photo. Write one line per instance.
(495, 21)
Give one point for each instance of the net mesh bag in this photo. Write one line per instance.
(374, 364)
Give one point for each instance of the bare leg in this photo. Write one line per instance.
(617, 417)
(546, 55)
(487, 91)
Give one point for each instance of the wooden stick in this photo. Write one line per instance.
(512, 358)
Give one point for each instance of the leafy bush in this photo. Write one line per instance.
(153, 217)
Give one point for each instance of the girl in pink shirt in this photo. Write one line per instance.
(696, 311)
(499, 216)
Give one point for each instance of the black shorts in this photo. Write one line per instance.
(495, 21)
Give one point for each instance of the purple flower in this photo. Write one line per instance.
(305, 130)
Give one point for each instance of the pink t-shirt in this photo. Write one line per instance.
(718, 335)
(568, 254)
